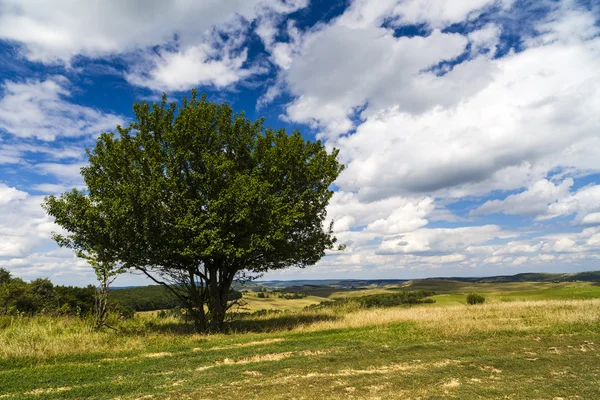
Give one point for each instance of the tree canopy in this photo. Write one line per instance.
(196, 195)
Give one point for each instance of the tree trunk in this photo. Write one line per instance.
(218, 290)
(101, 302)
(196, 303)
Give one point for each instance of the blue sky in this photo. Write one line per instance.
(470, 129)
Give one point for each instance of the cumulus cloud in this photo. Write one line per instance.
(62, 29)
(340, 68)
(533, 201)
(41, 109)
(177, 40)
(440, 240)
(585, 203)
(535, 114)
(23, 223)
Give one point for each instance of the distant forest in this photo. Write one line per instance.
(42, 296)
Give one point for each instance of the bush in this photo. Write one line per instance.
(475, 298)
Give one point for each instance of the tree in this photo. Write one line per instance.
(197, 196)
(4, 276)
(44, 297)
(92, 239)
(14, 297)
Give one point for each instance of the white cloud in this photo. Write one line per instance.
(406, 218)
(183, 31)
(40, 109)
(585, 203)
(20, 152)
(440, 13)
(8, 194)
(64, 172)
(535, 114)
(440, 240)
(23, 223)
(62, 29)
(339, 69)
(533, 201)
(194, 66)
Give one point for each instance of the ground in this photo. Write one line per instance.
(529, 341)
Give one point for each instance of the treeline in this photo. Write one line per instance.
(144, 298)
(41, 296)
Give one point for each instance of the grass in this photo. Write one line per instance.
(537, 349)
(254, 303)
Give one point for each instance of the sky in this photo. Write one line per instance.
(470, 129)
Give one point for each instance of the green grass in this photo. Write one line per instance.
(531, 291)
(507, 348)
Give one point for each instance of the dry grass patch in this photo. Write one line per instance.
(381, 370)
(249, 344)
(467, 320)
(47, 390)
(157, 355)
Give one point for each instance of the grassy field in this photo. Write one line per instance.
(528, 342)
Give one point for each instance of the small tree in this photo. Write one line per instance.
(475, 298)
(106, 273)
(91, 238)
(197, 196)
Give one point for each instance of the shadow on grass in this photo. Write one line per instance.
(276, 322)
(249, 323)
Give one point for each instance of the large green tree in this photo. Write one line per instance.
(196, 196)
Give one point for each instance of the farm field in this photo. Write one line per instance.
(529, 340)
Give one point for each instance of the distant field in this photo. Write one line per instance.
(529, 341)
(253, 303)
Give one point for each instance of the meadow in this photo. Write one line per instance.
(529, 340)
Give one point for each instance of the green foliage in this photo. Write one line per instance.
(292, 295)
(42, 297)
(475, 298)
(4, 276)
(144, 298)
(377, 300)
(197, 195)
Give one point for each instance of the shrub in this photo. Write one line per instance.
(475, 298)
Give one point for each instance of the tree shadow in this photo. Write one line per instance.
(256, 323)
(279, 322)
